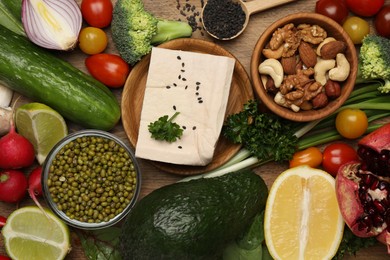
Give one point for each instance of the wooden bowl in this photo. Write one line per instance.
(133, 94)
(333, 29)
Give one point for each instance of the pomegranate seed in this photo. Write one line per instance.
(379, 206)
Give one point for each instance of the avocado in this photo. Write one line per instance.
(194, 219)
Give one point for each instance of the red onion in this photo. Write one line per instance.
(52, 24)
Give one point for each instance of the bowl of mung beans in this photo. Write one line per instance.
(91, 179)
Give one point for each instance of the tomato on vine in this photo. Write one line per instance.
(351, 123)
(92, 40)
(311, 156)
(365, 8)
(357, 28)
(337, 154)
(97, 13)
(334, 9)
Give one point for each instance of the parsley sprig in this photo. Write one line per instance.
(165, 129)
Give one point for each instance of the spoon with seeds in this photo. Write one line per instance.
(227, 19)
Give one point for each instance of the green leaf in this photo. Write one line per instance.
(254, 236)
(101, 244)
(8, 17)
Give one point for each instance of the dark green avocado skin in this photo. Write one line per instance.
(192, 220)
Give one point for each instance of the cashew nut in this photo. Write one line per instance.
(325, 41)
(341, 71)
(273, 68)
(321, 69)
(273, 54)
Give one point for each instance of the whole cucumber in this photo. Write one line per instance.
(43, 77)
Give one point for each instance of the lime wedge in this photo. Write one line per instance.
(42, 126)
(31, 234)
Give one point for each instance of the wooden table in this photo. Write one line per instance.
(241, 48)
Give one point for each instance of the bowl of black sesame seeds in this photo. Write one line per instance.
(91, 179)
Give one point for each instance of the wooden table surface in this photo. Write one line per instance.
(241, 48)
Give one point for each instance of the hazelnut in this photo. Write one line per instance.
(320, 101)
(332, 89)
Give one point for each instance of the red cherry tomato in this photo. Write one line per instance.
(365, 8)
(334, 9)
(110, 69)
(337, 154)
(382, 21)
(311, 156)
(97, 13)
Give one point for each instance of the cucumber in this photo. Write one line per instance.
(39, 75)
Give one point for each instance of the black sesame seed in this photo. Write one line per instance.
(184, 127)
(197, 87)
(197, 93)
(174, 84)
(194, 128)
(174, 107)
(186, 87)
(180, 147)
(178, 57)
(168, 87)
(183, 64)
(182, 70)
(184, 79)
(197, 83)
(179, 77)
(200, 101)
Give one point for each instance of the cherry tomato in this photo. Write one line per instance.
(92, 40)
(365, 8)
(2, 257)
(97, 13)
(334, 9)
(382, 22)
(110, 69)
(311, 156)
(357, 28)
(351, 123)
(337, 154)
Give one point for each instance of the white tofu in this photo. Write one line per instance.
(197, 86)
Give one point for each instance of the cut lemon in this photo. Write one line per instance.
(302, 218)
(30, 234)
(42, 126)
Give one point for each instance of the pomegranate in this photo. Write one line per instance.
(363, 187)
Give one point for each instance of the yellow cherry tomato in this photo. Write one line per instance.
(311, 156)
(357, 28)
(351, 123)
(92, 40)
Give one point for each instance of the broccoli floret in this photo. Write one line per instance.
(135, 31)
(374, 61)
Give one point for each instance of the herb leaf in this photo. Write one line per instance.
(101, 244)
(165, 130)
(351, 244)
(265, 135)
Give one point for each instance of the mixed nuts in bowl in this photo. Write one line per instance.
(91, 179)
(304, 67)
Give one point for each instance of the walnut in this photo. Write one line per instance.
(296, 81)
(311, 33)
(287, 37)
(307, 93)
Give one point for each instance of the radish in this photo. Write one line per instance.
(2, 221)
(13, 186)
(16, 150)
(34, 184)
(2, 257)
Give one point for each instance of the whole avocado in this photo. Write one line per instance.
(194, 219)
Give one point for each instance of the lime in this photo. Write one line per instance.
(42, 126)
(31, 234)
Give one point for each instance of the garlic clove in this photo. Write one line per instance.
(5, 96)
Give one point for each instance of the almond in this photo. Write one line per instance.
(331, 49)
(289, 65)
(307, 54)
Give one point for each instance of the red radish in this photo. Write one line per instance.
(2, 257)
(16, 150)
(34, 184)
(2, 221)
(13, 186)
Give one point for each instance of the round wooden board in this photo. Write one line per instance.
(133, 95)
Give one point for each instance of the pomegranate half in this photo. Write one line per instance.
(363, 187)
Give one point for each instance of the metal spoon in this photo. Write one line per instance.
(249, 8)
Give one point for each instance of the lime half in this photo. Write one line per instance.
(42, 126)
(31, 234)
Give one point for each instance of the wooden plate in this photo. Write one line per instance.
(133, 95)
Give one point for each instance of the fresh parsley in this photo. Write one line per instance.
(265, 135)
(165, 129)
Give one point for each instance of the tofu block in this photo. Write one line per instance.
(197, 86)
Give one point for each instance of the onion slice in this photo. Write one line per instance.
(52, 24)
